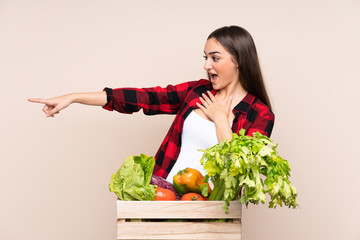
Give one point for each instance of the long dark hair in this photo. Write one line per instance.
(239, 43)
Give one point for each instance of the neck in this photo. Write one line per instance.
(235, 90)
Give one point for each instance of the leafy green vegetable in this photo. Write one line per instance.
(237, 166)
(132, 180)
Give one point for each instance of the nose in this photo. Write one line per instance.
(207, 65)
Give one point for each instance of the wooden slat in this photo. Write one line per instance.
(179, 230)
(176, 209)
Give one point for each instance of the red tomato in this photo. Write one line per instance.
(163, 194)
(193, 197)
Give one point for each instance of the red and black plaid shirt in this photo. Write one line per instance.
(250, 114)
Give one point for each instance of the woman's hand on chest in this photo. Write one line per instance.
(215, 109)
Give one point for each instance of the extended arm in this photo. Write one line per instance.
(125, 100)
(56, 104)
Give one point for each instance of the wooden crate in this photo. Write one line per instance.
(192, 211)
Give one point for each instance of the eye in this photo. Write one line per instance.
(215, 59)
(205, 57)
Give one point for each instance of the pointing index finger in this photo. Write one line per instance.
(37, 100)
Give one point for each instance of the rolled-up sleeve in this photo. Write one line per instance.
(155, 100)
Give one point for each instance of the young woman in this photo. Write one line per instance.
(207, 111)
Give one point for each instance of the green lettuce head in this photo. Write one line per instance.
(132, 180)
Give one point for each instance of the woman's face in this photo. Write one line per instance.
(220, 65)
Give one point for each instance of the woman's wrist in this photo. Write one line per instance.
(75, 97)
(221, 119)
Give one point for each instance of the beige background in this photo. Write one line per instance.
(54, 173)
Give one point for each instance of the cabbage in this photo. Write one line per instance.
(132, 181)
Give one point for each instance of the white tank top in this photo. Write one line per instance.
(198, 133)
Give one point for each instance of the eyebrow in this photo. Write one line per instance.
(211, 53)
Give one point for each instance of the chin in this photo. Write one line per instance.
(215, 87)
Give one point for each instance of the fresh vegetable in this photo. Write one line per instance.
(193, 197)
(161, 182)
(191, 180)
(235, 166)
(132, 180)
(163, 194)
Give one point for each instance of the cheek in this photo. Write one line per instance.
(220, 68)
(228, 71)
(226, 68)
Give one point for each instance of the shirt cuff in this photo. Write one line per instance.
(109, 99)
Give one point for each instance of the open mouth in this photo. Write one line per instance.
(213, 77)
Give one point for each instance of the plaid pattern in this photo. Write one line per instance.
(250, 114)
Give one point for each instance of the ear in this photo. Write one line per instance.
(235, 62)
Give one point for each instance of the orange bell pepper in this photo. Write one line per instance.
(191, 180)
